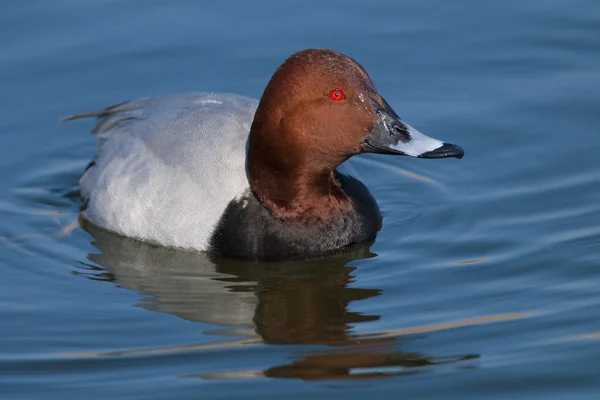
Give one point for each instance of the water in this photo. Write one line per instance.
(483, 283)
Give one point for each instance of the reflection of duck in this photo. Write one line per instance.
(285, 303)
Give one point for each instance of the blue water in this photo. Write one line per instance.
(483, 283)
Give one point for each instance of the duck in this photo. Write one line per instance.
(264, 180)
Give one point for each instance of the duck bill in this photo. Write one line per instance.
(393, 136)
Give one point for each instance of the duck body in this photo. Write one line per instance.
(262, 180)
(172, 171)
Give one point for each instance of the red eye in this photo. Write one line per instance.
(336, 94)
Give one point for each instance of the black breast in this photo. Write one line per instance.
(248, 230)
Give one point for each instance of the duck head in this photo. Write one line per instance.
(319, 109)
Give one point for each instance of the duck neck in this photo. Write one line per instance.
(299, 194)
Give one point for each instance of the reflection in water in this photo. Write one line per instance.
(282, 303)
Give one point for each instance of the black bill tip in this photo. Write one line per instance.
(445, 151)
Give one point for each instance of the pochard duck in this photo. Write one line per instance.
(250, 179)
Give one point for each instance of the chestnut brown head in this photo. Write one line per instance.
(320, 108)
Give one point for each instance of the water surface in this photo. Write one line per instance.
(482, 284)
